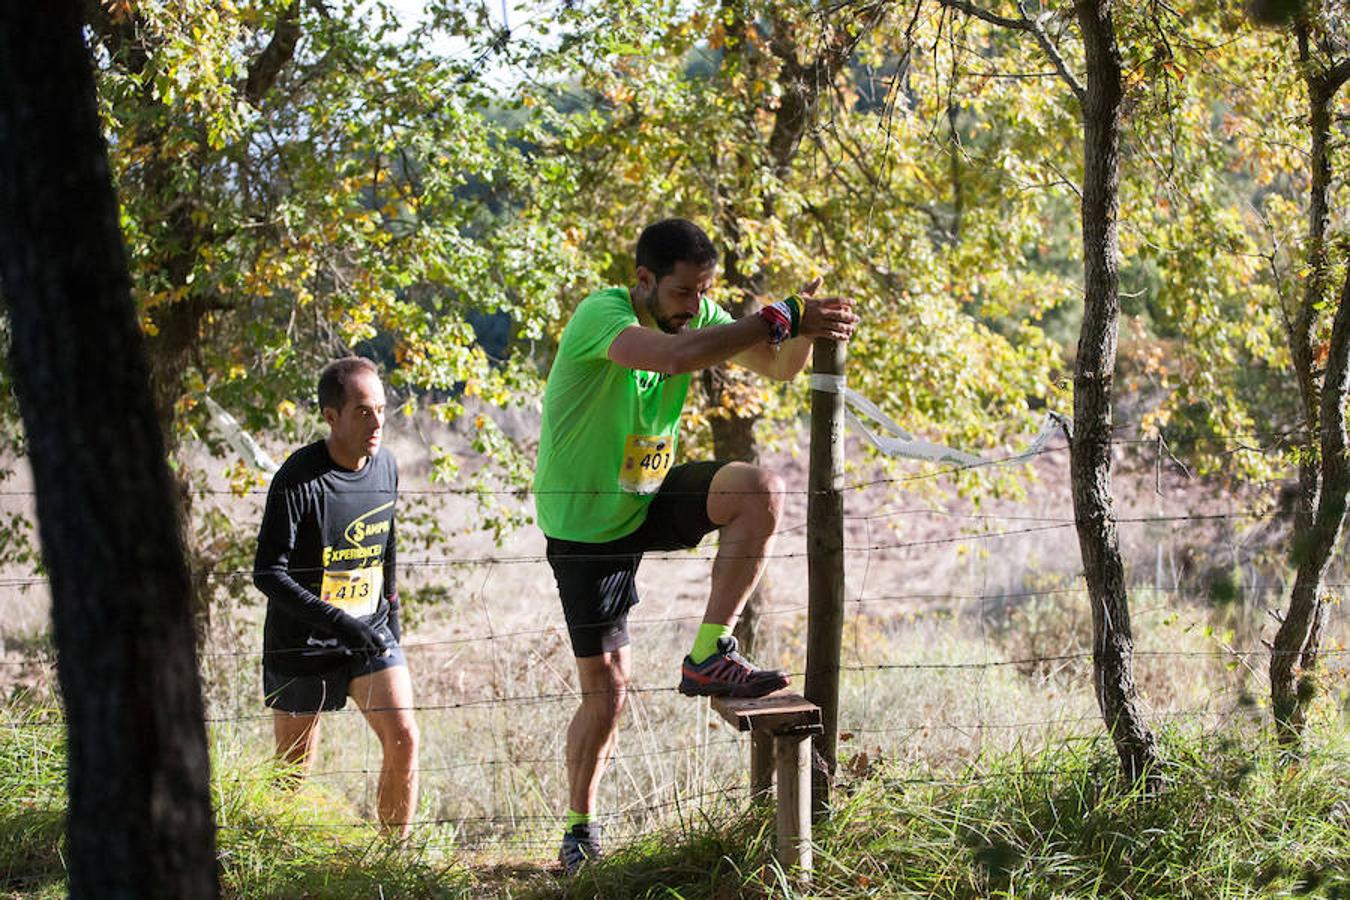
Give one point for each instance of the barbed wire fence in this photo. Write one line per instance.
(933, 678)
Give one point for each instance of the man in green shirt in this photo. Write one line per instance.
(606, 490)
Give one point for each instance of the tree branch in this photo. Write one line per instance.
(280, 50)
(985, 15)
(1028, 24)
(119, 31)
(1035, 27)
(1334, 78)
(803, 83)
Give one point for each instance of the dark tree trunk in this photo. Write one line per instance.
(1323, 478)
(733, 431)
(177, 325)
(169, 355)
(1293, 661)
(732, 422)
(1090, 456)
(139, 818)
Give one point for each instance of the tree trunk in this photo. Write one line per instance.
(955, 168)
(139, 817)
(177, 325)
(1320, 514)
(733, 433)
(1090, 453)
(169, 356)
(1294, 652)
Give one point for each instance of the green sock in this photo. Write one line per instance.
(576, 818)
(705, 645)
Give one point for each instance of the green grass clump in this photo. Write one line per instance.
(1054, 823)
(272, 841)
(1060, 822)
(32, 801)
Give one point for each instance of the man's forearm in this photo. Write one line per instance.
(280, 588)
(782, 364)
(791, 358)
(689, 351)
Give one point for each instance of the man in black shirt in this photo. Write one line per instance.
(326, 563)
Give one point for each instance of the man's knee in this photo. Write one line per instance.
(605, 689)
(386, 699)
(401, 735)
(751, 493)
(772, 487)
(296, 735)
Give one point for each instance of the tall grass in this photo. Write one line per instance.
(1054, 822)
(923, 687)
(32, 800)
(273, 840)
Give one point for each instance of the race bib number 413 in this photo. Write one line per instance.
(646, 460)
(354, 591)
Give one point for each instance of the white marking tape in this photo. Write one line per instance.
(242, 442)
(898, 442)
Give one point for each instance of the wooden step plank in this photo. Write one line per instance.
(778, 713)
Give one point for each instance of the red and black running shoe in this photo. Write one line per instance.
(728, 674)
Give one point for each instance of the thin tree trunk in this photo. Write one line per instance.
(177, 325)
(139, 818)
(956, 170)
(1090, 455)
(1320, 513)
(1294, 652)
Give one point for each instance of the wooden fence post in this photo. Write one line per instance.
(825, 566)
(780, 726)
(792, 754)
(761, 764)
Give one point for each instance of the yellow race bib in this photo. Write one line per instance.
(646, 460)
(354, 591)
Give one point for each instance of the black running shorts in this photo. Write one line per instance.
(597, 582)
(327, 690)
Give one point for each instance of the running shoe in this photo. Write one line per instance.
(728, 674)
(580, 845)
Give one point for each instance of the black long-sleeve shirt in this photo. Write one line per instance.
(325, 550)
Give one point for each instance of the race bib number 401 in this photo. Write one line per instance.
(354, 591)
(646, 460)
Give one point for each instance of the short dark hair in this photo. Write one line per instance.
(334, 377)
(664, 243)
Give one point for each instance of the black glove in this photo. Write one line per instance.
(392, 622)
(360, 637)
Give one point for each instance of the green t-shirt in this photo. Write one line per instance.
(603, 426)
